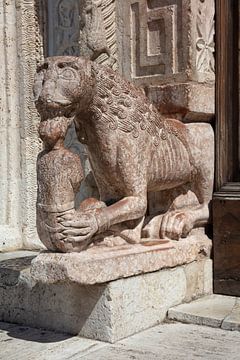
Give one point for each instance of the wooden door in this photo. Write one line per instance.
(226, 199)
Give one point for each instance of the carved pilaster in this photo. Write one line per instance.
(30, 53)
(21, 49)
(10, 171)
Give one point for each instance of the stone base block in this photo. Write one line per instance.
(100, 264)
(105, 311)
(190, 102)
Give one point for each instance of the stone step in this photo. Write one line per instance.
(213, 310)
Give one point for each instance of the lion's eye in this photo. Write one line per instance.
(67, 74)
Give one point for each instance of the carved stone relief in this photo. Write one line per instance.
(30, 54)
(63, 27)
(133, 150)
(153, 39)
(157, 38)
(205, 46)
(83, 27)
(21, 50)
(166, 26)
(98, 31)
(87, 28)
(10, 171)
(168, 48)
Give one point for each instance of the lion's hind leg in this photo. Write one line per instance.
(180, 222)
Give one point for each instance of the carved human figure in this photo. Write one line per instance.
(59, 175)
(133, 150)
(67, 28)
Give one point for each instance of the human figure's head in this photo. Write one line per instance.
(53, 131)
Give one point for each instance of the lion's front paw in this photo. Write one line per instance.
(175, 225)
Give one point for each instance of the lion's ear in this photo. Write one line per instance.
(84, 65)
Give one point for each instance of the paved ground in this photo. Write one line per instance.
(173, 341)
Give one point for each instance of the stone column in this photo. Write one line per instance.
(20, 49)
(30, 52)
(10, 149)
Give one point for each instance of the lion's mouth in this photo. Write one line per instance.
(61, 102)
(50, 108)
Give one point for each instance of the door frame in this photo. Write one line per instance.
(226, 198)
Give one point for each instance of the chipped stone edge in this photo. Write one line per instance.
(86, 270)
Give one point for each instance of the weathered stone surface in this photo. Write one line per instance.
(85, 28)
(199, 277)
(27, 343)
(166, 41)
(24, 29)
(174, 341)
(134, 151)
(99, 265)
(191, 101)
(214, 310)
(20, 49)
(10, 157)
(170, 43)
(108, 311)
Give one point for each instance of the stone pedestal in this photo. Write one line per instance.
(105, 295)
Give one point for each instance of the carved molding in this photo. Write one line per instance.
(205, 45)
(153, 40)
(21, 44)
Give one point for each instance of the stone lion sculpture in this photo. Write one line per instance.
(133, 151)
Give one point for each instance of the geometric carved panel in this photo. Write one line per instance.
(153, 39)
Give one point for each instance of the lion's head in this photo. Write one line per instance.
(62, 85)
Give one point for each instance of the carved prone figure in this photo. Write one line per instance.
(133, 151)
